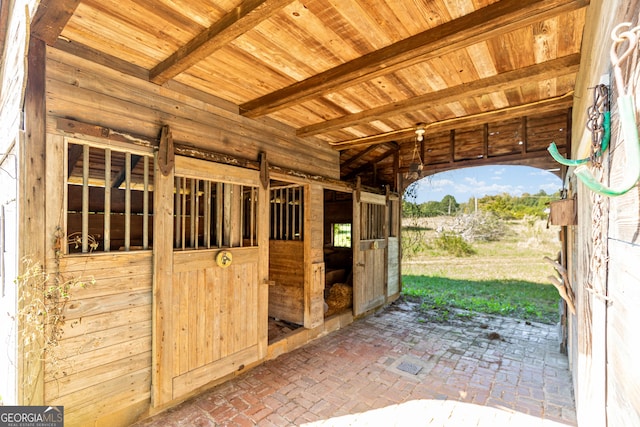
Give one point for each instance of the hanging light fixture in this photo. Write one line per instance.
(416, 166)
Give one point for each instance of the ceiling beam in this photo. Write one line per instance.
(364, 152)
(102, 58)
(50, 19)
(531, 109)
(499, 82)
(238, 21)
(488, 22)
(371, 163)
(523, 158)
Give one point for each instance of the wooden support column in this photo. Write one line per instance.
(314, 256)
(485, 141)
(523, 135)
(163, 340)
(452, 146)
(396, 171)
(31, 222)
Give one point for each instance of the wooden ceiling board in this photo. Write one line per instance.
(347, 70)
(105, 33)
(569, 31)
(204, 12)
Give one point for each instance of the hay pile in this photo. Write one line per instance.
(340, 298)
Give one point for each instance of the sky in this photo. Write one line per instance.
(486, 180)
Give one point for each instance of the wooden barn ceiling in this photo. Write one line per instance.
(489, 81)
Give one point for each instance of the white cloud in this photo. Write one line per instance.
(551, 187)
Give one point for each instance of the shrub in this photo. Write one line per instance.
(480, 226)
(454, 244)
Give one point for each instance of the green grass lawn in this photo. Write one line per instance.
(515, 298)
(507, 277)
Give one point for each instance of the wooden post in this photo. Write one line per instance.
(162, 290)
(31, 222)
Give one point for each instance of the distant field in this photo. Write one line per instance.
(506, 277)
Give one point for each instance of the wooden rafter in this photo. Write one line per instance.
(241, 19)
(74, 155)
(499, 82)
(391, 151)
(120, 178)
(102, 58)
(540, 107)
(432, 168)
(50, 19)
(363, 153)
(491, 21)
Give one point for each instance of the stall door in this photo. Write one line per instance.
(369, 252)
(208, 311)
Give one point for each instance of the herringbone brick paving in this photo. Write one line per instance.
(484, 371)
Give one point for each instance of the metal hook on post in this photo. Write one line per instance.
(626, 110)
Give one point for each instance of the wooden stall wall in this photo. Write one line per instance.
(114, 386)
(286, 274)
(604, 249)
(314, 257)
(90, 93)
(101, 367)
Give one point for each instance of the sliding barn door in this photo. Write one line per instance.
(369, 253)
(210, 304)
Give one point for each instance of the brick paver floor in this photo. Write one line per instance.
(395, 369)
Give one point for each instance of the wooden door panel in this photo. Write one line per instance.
(209, 321)
(215, 313)
(370, 248)
(370, 291)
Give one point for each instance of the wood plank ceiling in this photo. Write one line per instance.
(489, 81)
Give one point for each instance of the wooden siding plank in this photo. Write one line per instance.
(60, 387)
(80, 92)
(100, 399)
(98, 322)
(106, 303)
(109, 265)
(76, 363)
(105, 338)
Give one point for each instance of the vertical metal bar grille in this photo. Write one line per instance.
(193, 215)
(183, 204)
(219, 215)
(207, 214)
(107, 200)
(287, 213)
(178, 214)
(145, 205)
(127, 202)
(85, 199)
(216, 214)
